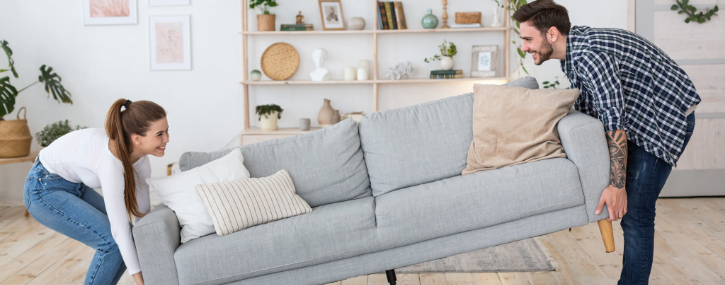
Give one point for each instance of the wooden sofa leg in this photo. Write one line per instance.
(391, 276)
(605, 227)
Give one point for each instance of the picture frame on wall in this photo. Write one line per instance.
(331, 15)
(109, 12)
(170, 42)
(168, 2)
(484, 59)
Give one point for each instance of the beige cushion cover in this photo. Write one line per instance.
(514, 125)
(239, 204)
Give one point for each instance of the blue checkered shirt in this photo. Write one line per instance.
(630, 84)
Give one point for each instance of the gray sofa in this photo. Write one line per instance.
(385, 194)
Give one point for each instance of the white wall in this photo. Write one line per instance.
(100, 64)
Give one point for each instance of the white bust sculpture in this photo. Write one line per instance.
(320, 73)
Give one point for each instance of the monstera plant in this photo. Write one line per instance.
(8, 92)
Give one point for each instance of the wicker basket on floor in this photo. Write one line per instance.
(15, 137)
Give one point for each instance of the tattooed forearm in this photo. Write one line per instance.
(617, 142)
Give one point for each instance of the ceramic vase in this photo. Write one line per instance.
(336, 117)
(269, 121)
(255, 75)
(447, 63)
(356, 23)
(429, 21)
(324, 118)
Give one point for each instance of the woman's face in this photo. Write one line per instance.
(155, 139)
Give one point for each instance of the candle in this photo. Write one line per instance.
(349, 73)
(362, 73)
(364, 63)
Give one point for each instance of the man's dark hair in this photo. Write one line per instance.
(543, 15)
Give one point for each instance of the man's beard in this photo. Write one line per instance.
(544, 52)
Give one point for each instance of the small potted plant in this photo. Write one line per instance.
(448, 50)
(53, 131)
(268, 115)
(265, 20)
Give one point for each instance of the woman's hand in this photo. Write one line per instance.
(138, 277)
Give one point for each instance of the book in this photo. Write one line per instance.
(383, 16)
(446, 76)
(388, 15)
(460, 26)
(457, 71)
(296, 25)
(296, 29)
(401, 15)
(380, 20)
(395, 17)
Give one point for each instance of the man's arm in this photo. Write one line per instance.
(615, 195)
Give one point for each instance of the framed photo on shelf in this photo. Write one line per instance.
(484, 59)
(331, 14)
(109, 12)
(169, 42)
(168, 2)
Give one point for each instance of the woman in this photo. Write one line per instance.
(59, 189)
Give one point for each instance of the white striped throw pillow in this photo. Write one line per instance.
(239, 204)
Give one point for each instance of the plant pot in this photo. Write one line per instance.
(324, 118)
(265, 22)
(446, 62)
(269, 121)
(15, 137)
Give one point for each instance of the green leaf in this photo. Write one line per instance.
(687, 20)
(53, 85)
(520, 3)
(680, 12)
(715, 8)
(674, 7)
(521, 53)
(7, 96)
(545, 82)
(524, 68)
(692, 9)
(9, 53)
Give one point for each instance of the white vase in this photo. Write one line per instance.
(446, 62)
(356, 23)
(269, 121)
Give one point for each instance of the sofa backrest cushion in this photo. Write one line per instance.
(326, 165)
(421, 143)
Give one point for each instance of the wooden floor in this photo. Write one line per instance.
(689, 249)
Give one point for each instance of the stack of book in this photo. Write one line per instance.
(295, 27)
(464, 26)
(446, 74)
(391, 16)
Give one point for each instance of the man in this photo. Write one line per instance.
(646, 103)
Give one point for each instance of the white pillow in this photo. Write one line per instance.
(178, 192)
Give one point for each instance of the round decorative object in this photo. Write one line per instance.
(15, 137)
(429, 21)
(356, 23)
(255, 75)
(447, 63)
(280, 61)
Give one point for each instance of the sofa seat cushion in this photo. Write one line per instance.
(475, 201)
(330, 232)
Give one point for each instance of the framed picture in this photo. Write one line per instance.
(168, 2)
(109, 12)
(331, 13)
(170, 42)
(484, 59)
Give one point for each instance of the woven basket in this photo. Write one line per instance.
(280, 61)
(15, 137)
(468, 17)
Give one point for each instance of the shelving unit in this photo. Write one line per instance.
(376, 80)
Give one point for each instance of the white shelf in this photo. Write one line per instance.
(404, 31)
(381, 81)
(280, 131)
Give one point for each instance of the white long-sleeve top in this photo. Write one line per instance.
(83, 156)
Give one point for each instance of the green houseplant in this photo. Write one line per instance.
(270, 113)
(53, 131)
(265, 20)
(448, 50)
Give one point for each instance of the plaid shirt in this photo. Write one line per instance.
(630, 84)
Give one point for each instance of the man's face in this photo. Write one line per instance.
(535, 43)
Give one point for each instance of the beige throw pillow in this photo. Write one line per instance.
(514, 125)
(239, 204)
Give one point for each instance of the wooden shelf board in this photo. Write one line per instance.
(381, 81)
(280, 131)
(29, 158)
(375, 31)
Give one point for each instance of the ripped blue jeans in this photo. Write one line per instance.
(77, 211)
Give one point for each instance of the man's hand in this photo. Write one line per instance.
(616, 200)
(614, 195)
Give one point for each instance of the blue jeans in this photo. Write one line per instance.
(646, 175)
(77, 211)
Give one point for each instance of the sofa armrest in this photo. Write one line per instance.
(157, 236)
(585, 144)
